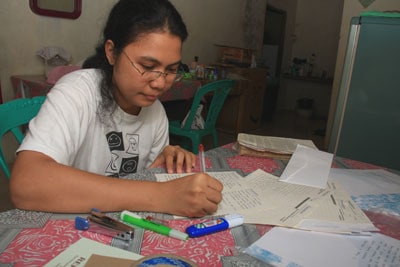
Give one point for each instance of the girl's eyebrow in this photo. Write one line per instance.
(157, 62)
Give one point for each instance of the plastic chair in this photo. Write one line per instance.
(218, 90)
(14, 114)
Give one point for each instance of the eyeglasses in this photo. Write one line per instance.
(151, 75)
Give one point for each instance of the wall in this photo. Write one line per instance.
(351, 9)
(220, 22)
(312, 27)
(290, 7)
(317, 31)
(22, 32)
(209, 22)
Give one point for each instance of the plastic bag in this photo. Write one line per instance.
(198, 121)
(53, 56)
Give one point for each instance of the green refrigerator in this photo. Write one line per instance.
(366, 125)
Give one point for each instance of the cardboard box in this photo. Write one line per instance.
(234, 55)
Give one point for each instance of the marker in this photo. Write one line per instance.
(202, 158)
(215, 225)
(134, 219)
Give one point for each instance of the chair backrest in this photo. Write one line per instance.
(219, 90)
(14, 114)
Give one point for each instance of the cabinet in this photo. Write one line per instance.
(243, 109)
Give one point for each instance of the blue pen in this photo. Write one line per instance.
(215, 225)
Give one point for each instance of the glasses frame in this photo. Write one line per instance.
(156, 73)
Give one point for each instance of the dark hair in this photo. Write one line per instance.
(128, 20)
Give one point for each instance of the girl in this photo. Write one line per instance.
(105, 121)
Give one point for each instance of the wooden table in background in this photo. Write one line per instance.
(36, 85)
(30, 85)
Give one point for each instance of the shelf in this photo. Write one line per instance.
(308, 79)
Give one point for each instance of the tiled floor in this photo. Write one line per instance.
(284, 124)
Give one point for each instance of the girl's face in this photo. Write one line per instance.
(160, 52)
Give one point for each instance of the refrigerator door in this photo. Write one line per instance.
(367, 122)
(345, 85)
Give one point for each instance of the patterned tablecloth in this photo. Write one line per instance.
(181, 90)
(36, 85)
(37, 246)
(30, 85)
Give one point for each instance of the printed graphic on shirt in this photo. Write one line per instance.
(115, 141)
(112, 166)
(128, 165)
(133, 147)
(124, 158)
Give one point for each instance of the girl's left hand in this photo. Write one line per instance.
(175, 155)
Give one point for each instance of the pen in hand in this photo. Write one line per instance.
(202, 158)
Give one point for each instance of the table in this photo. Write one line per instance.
(181, 90)
(293, 88)
(36, 246)
(36, 85)
(30, 85)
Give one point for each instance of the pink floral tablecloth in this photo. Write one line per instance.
(30, 85)
(181, 90)
(37, 246)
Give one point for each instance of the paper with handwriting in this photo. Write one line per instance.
(262, 199)
(314, 249)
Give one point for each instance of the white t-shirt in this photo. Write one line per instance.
(68, 129)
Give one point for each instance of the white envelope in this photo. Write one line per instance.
(308, 166)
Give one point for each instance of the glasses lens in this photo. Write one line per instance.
(154, 75)
(151, 75)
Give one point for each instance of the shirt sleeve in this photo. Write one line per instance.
(59, 127)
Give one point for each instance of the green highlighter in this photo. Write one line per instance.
(134, 219)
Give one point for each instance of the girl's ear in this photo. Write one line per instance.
(109, 50)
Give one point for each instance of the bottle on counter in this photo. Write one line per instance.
(253, 61)
(193, 66)
(194, 63)
(200, 72)
(311, 65)
(216, 74)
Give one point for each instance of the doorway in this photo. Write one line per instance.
(272, 54)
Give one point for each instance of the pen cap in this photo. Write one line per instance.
(234, 220)
(179, 235)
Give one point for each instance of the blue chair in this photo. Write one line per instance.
(218, 92)
(13, 115)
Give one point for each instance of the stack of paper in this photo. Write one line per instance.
(262, 199)
(318, 222)
(370, 189)
(306, 248)
(269, 146)
(301, 198)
